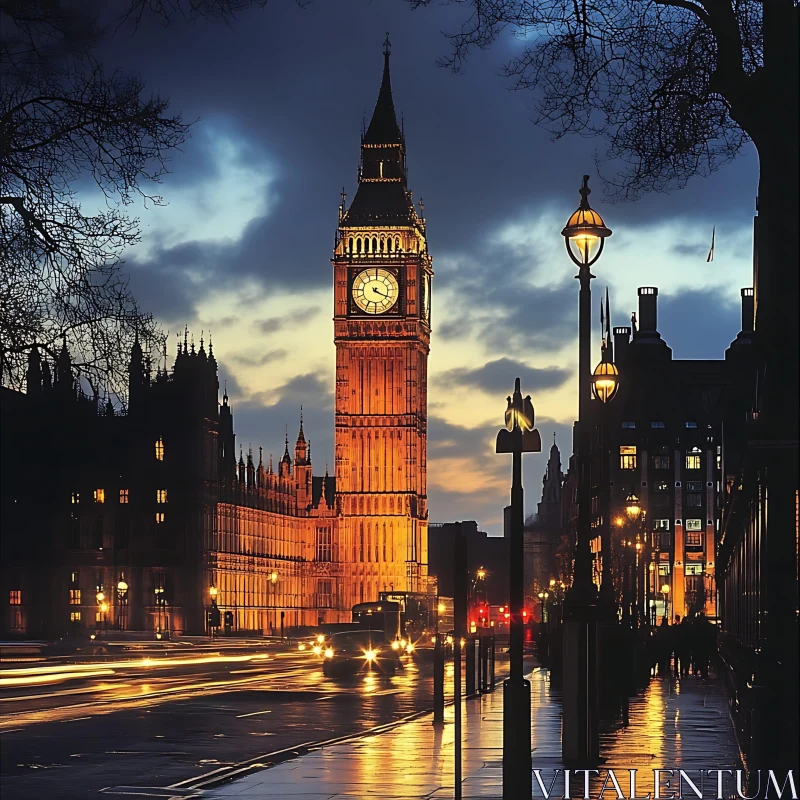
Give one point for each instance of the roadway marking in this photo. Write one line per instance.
(253, 714)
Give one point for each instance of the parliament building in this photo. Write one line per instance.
(143, 520)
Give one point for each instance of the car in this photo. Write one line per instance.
(353, 652)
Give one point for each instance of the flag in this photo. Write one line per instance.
(711, 251)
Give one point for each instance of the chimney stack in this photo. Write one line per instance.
(748, 310)
(622, 337)
(647, 309)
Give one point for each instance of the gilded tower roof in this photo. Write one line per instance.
(382, 197)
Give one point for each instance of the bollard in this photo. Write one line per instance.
(438, 682)
(491, 666)
(470, 667)
(485, 665)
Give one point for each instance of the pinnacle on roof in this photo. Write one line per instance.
(383, 127)
(301, 436)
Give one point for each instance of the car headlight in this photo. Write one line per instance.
(329, 652)
(449, 640)
(370, 655)
(301, 646)
(320, 638)
(433, 640)
(409, 648)
(317, 650)
(395, 645)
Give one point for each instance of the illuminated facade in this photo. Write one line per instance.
(382, 292)
(152, 513)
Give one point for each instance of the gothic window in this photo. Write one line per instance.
(159, 449)
(361, 546)
(694, 524)
(374, 245)
(383, 241)
(15, 597)
(350, 245)
(390, 244)
(660, 462)
(161, 495)
(324, 544)
(384, 542)
(99, 495)
(123, 496)
(324, 593)
(74, 597)
(159, 517)
(397, 243)
(358, 244)
(693, 459)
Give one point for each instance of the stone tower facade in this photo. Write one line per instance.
(382, 294)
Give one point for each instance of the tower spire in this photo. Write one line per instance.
(383, 127)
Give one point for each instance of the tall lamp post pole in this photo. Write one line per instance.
(584, 235)
(518, 437)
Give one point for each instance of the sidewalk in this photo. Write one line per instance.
(682, 725)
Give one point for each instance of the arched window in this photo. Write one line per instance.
(383, 242)
(350, 245)
(358, 244)
(397, 243)
(361, 545)
(375, 245)
(390, 244)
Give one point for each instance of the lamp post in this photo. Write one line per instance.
(542, 597)
(584, 236)
(159, 592)
(605, 383)
(102, 606)
(122, 597)
(273, 579)
(633, 510)
(518, 437)
(665, 598)
(214, 615)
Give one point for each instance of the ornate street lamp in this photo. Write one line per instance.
(605, 381)
(518, 437)
(585, 232)
(584, 237)
(632, 507)
(122, 597)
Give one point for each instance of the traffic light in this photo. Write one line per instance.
(213, 617)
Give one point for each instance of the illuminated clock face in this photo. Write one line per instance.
(375, 290)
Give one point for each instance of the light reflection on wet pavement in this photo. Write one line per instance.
(682, 725)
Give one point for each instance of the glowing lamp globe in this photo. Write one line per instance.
(585, 232)
(605, 381)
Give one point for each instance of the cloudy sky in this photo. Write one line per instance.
(243, 247)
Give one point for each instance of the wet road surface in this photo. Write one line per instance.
(156, 725)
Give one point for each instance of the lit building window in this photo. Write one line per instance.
(694, 539)
(693, 569)
(692, 461)
(694, 525)
(159, 517)
(663, 569)
(99, 495)
(74, 597)
(661, 524)
(160, 449)
(161, 495)
(628, 424)
(657, 424)
(76, 497)
(123, 496)
(691, 425)
(15, 597)
(74, 616)
(627, 456)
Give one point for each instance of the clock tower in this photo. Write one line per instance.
(382, 295)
